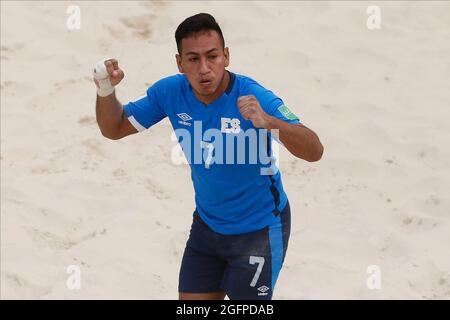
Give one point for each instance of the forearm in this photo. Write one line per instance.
(109, 113)
(301, 141)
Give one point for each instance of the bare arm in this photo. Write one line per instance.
(109, 111)
(301, 141)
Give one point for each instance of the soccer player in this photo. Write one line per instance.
(225, 123)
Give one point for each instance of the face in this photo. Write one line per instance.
(203, 60)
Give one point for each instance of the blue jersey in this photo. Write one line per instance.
(237, 190)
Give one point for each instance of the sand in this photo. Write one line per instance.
(121, 210)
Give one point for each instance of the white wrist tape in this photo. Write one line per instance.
(101, 75)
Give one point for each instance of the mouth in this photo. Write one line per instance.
(205, 82)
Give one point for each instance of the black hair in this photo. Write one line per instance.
(197, 23)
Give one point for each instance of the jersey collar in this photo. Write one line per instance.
(219, 100)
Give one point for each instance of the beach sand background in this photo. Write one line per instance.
(121, 210)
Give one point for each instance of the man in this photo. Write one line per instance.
(241, 224)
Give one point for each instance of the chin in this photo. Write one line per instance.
(206, 92)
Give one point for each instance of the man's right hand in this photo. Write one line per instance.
(107, 75)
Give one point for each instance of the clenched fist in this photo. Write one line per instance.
(107, 75)
(252, 110)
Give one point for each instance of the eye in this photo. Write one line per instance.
(213, 56)
(193, 59)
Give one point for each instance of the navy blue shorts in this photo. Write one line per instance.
(244, 266)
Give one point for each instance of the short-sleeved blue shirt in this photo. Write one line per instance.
(234, 193)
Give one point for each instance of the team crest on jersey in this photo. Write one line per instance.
(230, 125)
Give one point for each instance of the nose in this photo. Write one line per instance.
(204, 66)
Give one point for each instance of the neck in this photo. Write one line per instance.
(220, 90)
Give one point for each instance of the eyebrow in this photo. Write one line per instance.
(197, 54)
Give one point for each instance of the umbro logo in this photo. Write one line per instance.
(263, 290)
(184, 118)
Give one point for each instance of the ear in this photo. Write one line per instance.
(226, 53)
(180, 67)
